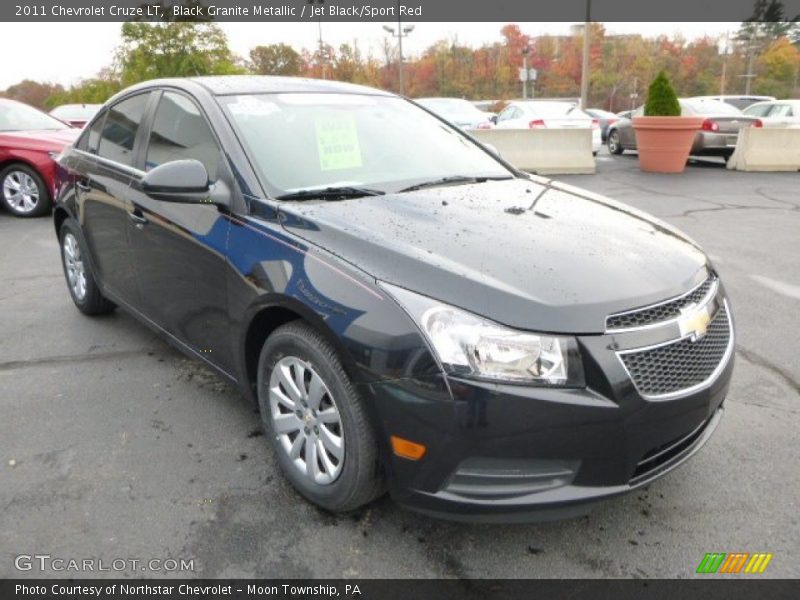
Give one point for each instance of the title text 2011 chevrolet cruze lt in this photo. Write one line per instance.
(408, 310)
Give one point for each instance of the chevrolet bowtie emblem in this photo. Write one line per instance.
(694, 322)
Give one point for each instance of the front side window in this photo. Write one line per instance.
(306, 140)
(120, 127)
(781, 110)
(180, 131)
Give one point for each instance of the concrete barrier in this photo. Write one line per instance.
(768, 149)
(543, 151)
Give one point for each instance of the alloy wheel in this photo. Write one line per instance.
(306, 420)
(613, 142)
(73, 263)
(21, 191)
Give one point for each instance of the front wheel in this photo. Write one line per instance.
(316, 421)
(614, 144)
(23, 192)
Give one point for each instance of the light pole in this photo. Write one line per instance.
(585, 67)
(525, 52)
(400, 34)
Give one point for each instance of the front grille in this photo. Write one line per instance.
(682, 364)
(660, 312)
(668, 452)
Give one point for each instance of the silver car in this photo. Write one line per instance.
(716, 137)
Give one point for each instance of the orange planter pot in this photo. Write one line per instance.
(664, 142)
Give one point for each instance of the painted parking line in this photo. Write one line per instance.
(781, 287)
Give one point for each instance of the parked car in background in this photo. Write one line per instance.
(776, 113)
(605, 119)
(717, 136)
(29, 140)
(461, 113)
(739, 101)
(76, 115)
(488, 107)
(548, 114)
(378, 282)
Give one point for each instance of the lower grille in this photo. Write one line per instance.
(666, 453)
(680, 365)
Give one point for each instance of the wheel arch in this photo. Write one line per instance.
(264, 318)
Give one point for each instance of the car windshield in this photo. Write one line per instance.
(451, 107)
(710, 107)
(75, 111)
(15, 116)
(301, 141)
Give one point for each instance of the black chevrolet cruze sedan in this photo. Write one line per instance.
(408, 310)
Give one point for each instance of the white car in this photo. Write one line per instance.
(461, 113)
(776, 113)
(550, 114)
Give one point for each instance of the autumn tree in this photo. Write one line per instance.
(31, 92)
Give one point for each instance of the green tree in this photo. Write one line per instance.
(275, 59)
(178, 49)
(662, 101)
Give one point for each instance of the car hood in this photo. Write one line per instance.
(534, 255)
(55, 140)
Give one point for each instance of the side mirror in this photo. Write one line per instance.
(184, 181)
(493, 119)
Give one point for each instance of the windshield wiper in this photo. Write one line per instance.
(330, 193)
(453, 180)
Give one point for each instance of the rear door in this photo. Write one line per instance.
(179, 250)
(106, 169)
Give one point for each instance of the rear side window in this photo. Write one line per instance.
(120, 127)
(180, 131)
(758, 110)
(92, 137)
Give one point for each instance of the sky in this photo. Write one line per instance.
(68, 52)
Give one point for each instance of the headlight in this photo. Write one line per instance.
(471, 346)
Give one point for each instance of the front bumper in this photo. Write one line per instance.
(509, 453)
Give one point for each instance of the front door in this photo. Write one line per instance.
(179, 250)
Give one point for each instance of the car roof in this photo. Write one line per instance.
(228, 85)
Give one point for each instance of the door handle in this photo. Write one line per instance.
(137, 217)
(82, 185)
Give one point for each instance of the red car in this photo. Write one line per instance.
(29, 139)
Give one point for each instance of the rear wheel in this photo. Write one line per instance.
(614, 144)
(23, 192)
(316, 421)
(80, 281)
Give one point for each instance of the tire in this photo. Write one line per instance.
(614, 145)
(23, 192)
(80, 281)
(342, 484)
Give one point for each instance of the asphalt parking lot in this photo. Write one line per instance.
(113, 445)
